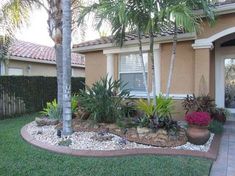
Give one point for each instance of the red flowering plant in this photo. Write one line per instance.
(198, 118)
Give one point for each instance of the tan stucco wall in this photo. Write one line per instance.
(212, 73)
(95, 66)
(202, 71)
(183, 75)
(178, 112)
(222, 22)
(40, 69)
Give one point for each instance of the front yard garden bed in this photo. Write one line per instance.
(100, 143)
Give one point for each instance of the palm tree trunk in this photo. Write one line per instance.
(142, 64)
(55, 32)
(153, 70)
(173, 56)
(59, 69)
(67, 114)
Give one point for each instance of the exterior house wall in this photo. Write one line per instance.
(191, 65)
(96, 66)
(222, 22)
(183, 74)
(40, 69)
(212, 73)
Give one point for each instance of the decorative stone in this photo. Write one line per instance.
(46, 121)
(81, 140)
(66, 142)
(111, 126)
(161, 131)
(143, 130)
(162, 136)
(102, 138)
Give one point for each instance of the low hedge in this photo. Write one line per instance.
(35, 91)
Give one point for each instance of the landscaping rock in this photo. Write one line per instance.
(40, 121)
(46, 121)
(143, 130)
(102, 138)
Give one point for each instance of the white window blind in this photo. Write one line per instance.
(131, 71)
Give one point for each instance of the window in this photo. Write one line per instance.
(15, 71)
(131, 72)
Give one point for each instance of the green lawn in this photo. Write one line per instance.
(21, 159)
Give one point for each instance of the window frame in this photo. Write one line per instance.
(135, 93)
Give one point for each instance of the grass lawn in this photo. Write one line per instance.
(19, 158)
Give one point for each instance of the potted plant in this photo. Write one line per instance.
(197, 131)
(220, 114)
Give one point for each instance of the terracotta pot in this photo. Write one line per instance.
(197, 135)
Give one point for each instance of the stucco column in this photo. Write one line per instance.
(157, 70)
(202, 71)
(110, 65)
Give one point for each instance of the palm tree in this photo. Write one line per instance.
(181, 14)
(54, 11)
(67, 114)
(125, 16)
(13, 15)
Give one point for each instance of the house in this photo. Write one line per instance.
(205, 61)
(31, 59)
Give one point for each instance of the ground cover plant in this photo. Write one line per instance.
(17, 157)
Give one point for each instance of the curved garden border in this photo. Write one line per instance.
(211, 154)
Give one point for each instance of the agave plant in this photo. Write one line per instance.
(104, 100)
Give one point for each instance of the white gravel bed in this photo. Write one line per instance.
(84, 141)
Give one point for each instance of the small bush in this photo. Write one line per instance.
(216, 127)
(220, 114)
(51, 110)
(198, 104)
(104, 100)
(74, 103)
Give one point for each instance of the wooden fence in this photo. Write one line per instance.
(10, 105)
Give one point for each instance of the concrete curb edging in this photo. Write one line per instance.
(211, 154)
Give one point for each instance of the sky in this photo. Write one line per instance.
(37, 31)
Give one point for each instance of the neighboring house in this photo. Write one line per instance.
(205, 62)
(30, 59)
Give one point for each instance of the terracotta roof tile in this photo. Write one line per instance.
(39, 52)
(166, 30)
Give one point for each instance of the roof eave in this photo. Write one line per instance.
(220, 10)
(162, 39)
(17, 58)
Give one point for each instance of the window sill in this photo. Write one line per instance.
(137, 94)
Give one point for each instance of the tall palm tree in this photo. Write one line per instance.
(125, 16)
(67, 114)
(181, 14)
(54, 11)
(13, 15)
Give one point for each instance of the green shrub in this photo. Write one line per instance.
(159, 116)
(104, 100)
(220, 114)
(216, 127)
(74, 103)
(164, 107)
(147, 109)
(51, 110)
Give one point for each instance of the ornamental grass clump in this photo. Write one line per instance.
(198, 118)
